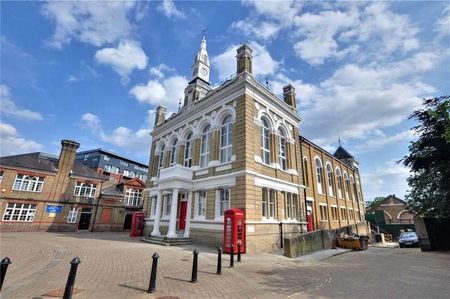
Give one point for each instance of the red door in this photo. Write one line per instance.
(309, 220)
(183, 210)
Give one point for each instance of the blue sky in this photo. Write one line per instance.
(95, 71)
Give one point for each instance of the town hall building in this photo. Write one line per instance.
(238, 146)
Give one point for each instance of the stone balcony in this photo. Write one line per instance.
(176, 176)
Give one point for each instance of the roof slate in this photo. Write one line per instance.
(47, 162)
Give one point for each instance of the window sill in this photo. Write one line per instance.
(269, 220)
(199, 218)
(27, 191)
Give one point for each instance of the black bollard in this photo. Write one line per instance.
(152, 284)
(219, 261)
(3, 268)
(71, 279)
(194, 267)
(232, 256)
(239, 251)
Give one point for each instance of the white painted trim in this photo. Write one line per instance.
(309, 198)
(322, 204)
(201, 172)
(224, 167)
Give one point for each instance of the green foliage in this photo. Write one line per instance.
(429, 160)
(375, 201)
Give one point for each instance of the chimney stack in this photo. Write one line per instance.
(160, 115)
(244, 59)
(65, 165)
(289, 96)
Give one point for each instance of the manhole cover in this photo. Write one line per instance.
(60, 292)
(262, 272)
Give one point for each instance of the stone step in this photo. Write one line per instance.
(168, 241)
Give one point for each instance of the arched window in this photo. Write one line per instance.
(330, 180)
(188, 151)
(282, 149)
(319, 175)
(226, 140)
(173, 152)
(358, 189)
(339, 182)
(265, 141)
(346, 186)
(161, 159)
(305, 172)
(204, 148)
(353, 188)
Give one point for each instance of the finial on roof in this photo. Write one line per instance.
(339, 141)
(267, 82)
(179, 105)
(204, 29)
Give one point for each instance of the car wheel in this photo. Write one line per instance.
(401, 245)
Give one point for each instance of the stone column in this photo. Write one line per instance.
(173, 215)
(155, 231)
(187, 229)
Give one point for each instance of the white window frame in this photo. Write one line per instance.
(84, 189)
(188, 151)
(223, 197)
(319, 176)
(330, 181)
(346, 186)
(153, 200)
(291, 206)
(265, 141)
(161, 159)
(20, 210)
(282, 150)
(106, 158)
(72, 216)
(173, 153)
(344, 213)
(323, 211)
(167, 205)
(28, 183)
(339, 182)
(226, 139)
(133, 197)
(200, 204)
(1, 176)
(205, 146)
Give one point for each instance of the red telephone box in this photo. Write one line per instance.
(233, 230)
(137, 225)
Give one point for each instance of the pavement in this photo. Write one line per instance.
(116, 266)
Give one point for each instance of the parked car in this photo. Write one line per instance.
(408, 239)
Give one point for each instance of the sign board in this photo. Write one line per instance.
(53, 209)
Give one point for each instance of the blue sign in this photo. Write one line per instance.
(54, 209)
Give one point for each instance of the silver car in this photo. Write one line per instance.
(408, 239)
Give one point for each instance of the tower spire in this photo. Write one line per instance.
(200, 68)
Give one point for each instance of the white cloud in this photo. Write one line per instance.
(264, 30)
(356, 100)
(263, 63)
(11, 143)
(8, 107)
(382, 140)
(168, 8)
(91, 22)
(160, 70)
(167, 92)
(124, 59)
(122, 137)
(443, 24)
(389, 178)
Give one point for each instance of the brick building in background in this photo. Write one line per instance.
(40, 191)
(238, 146)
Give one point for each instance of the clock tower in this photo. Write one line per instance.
(199, 84)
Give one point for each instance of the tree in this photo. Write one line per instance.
(429, 160)
(375, 201)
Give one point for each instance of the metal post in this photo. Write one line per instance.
(232, 256)
(71, 279)
(239, 251)
(194, 267)
(4, 267)
(152, 284)
(219, 261)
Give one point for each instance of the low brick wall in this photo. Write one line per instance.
(319, 240)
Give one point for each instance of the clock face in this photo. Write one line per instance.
(204, 71)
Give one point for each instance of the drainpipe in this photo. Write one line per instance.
(304, 182)
(96, 207)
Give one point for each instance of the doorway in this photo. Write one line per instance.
(127, 222)
(85, 218)
(182, 220)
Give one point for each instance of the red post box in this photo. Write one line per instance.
(233, 230)
(137, 225)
